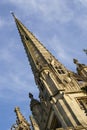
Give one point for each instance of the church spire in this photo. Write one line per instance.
(44, 65)
(21, 122)
(36, 52)
(38, 56)
(61, 98)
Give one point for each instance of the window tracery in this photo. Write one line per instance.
(82, 101)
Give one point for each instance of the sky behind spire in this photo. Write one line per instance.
(61, 25)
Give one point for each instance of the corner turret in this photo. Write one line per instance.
(21, 122)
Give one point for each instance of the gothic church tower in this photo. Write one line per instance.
(62, 103)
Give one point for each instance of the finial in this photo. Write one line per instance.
(85, 50)
(30, 95)
(12, 14)
(75, 61)
(16, 109)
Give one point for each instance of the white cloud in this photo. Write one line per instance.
(83, 2)
(2, 22)
(5, 55)
(81, 22)
(80, 14)
(58, 9)
(6, 51)
(15, 76)
(16, 83)
(5, 22)
(59, 51)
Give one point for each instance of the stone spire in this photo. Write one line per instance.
(21, 122)
(61, 98)
(39, 57)
(44, 64)
(37, 54)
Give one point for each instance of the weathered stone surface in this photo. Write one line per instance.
(62, 102)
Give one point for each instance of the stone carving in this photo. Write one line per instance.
(36, 109)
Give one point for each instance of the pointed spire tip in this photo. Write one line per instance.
(12, 13)
(16, 109)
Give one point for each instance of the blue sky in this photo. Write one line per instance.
(61, 25)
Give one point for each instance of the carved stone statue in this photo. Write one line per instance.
(36, 109)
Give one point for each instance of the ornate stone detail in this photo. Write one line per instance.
(58, 86)
(81, 69)
(36, 109)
